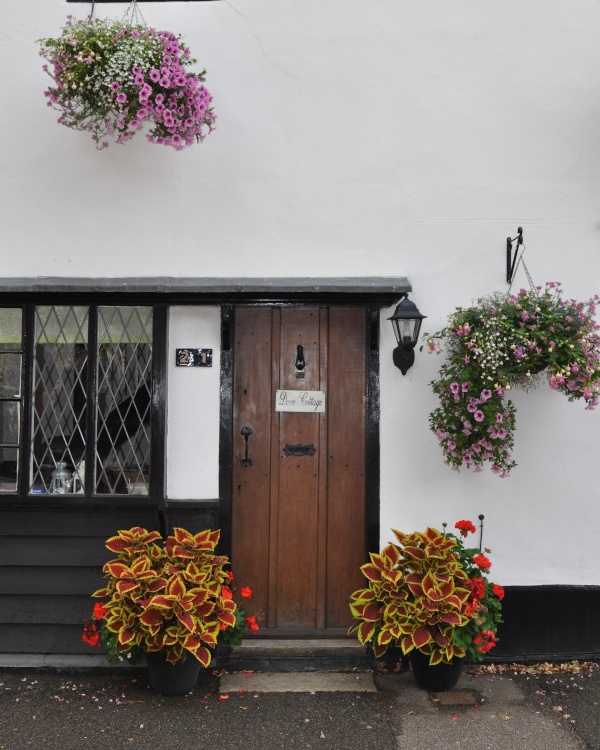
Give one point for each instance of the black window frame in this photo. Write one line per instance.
(156, 490)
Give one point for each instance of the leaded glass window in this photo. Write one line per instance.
(124, 398)
(76, 399)
(60, 387)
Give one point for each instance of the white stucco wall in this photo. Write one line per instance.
(193, 395)
(390, 137)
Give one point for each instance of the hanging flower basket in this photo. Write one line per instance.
(504, 342)
(110, 78)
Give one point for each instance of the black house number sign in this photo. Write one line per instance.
(193, 357)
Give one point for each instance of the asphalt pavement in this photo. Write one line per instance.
(504, 710)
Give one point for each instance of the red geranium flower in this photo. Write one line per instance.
(252, 624)
(90, 635)
(482, 562)
(465, 527)
(226, 592)
(485, 641)
(498, 590)
(100, 610)
(246, 592)
(477, 587)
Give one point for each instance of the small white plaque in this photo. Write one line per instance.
(310, 401)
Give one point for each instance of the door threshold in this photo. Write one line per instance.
(304, 634)
(299, 644)
(298, 655)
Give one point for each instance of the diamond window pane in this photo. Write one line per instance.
(9, 470)
(124, 377)
(59, 391)
(10, 375)
(10, 328)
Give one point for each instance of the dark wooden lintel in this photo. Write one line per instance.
(372, 289)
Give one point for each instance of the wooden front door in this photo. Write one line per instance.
(298, 500)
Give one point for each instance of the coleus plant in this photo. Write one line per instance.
(172, 597)
(430, 593)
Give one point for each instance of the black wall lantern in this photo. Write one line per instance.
(406, 322)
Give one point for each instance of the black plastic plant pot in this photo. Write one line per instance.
(437, 678)
(172, 679)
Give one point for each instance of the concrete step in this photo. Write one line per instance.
(297, 682)
(296, 655)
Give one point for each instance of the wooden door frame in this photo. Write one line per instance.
(372, 411)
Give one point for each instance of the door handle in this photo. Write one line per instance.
(246, 432)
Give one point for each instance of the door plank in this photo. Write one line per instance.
(346, 520)
(322, 527)
(298, 477)
(251, 485)
(271, 621)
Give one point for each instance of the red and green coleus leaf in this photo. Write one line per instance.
(362, 596)
(174, 634)
(420, 637)
(196, 649)
(210, 639)
(175, 653)
(131, 541)
(391, 555)
(453, 618)
(126, 638)
(371, 612)
(129, 578)
(153, 642)
(186, 619)
(153, 618)
(184, 544)
(394, 577)
(442, 638)
(435, 589)
(371, 572)
(175, 587)
(406, 644)
(416, 553)
(385, 637)
(413, 581)
(437, 657)
(366, 631)
(227, 618)
(379, 649)
(196, 574)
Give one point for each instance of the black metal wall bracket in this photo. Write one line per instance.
(510, 260)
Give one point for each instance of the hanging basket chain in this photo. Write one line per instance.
(520, 261)
(133, 15)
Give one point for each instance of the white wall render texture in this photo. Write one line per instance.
(354, 138)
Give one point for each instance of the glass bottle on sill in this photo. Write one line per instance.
(60, 483)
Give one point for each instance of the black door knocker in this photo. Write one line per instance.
(300, 363)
